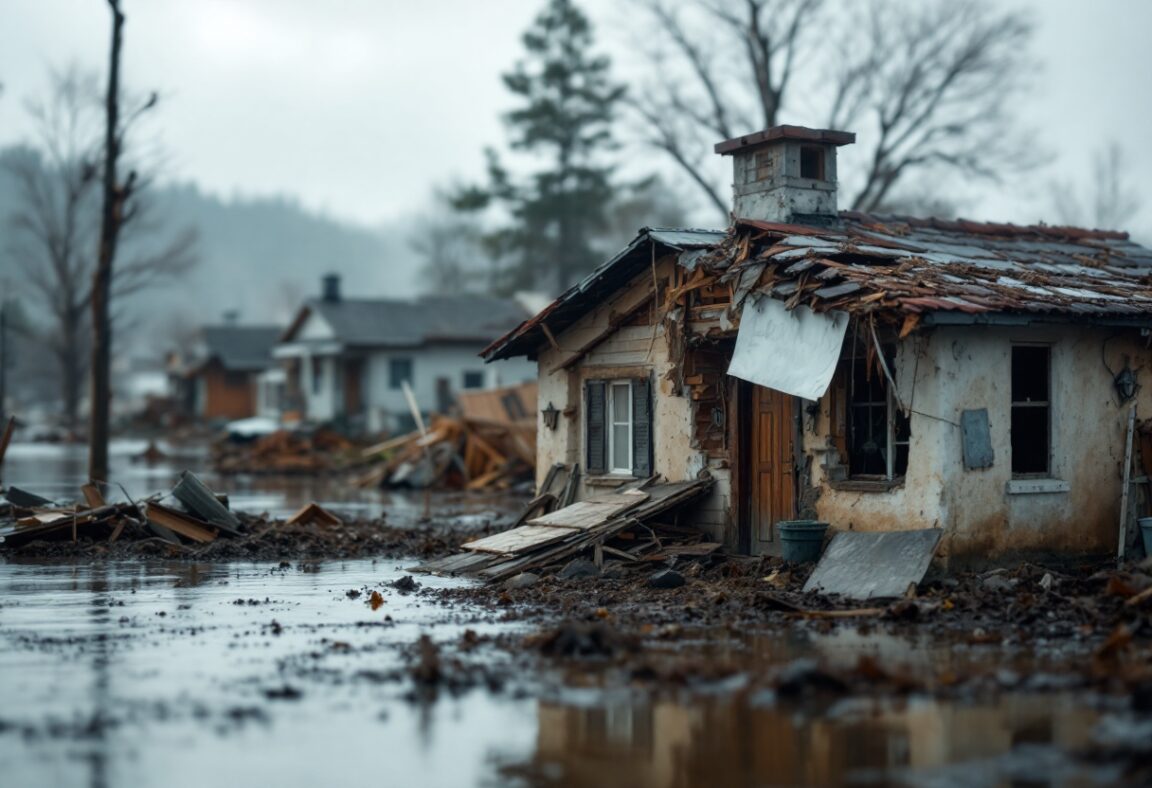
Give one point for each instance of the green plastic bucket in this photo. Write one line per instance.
(1146, 533)
(801, 540)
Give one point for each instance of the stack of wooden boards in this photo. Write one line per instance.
(192, 513)
(490, 445)
(625, 517)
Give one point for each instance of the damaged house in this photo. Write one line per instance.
(873, 372)
(348, 360)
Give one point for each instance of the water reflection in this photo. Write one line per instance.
(731, 741)
(56, 471)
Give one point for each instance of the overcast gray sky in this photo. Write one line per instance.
(360, 107)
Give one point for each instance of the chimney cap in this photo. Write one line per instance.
(800, 133)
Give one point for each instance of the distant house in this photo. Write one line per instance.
(874, 372)
(347, 359)
(222, 378)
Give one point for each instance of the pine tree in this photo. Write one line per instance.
(567, 102)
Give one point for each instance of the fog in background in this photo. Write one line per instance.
(303, 137)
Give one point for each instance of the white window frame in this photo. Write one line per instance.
(612, 424)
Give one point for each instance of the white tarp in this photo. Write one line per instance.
(791, 351)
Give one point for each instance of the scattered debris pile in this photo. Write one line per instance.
(286, 452)
(490, 445)
(191, 513)
(622, 525)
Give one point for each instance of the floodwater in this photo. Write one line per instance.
(56, 471)
(171, 673)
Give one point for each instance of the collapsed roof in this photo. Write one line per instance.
(606, 279)
(902, 266)
(921, 271)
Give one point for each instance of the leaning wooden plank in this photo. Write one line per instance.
(480, 482)
(92, 495)
(183, 524)
(201, 501)
(663, 497)
(588, 514)
(460, 564)
(6, 436)
(391, 443)
(519, 540)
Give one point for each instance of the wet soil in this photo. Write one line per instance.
(731, 675)
(457, 519)
(1006, 633)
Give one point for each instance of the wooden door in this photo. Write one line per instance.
(353, 394)
(771, 465)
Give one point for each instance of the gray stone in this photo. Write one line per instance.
(668, 578)
(579, 568)
(1046, 581)
(522, 580)
(998, 583)
(614, 570)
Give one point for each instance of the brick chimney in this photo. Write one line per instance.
(330, 288)
(785, 174)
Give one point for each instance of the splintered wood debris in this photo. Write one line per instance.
(191, 514)
(620, 524)
(489, 444)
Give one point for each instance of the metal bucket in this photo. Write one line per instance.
(801, 541)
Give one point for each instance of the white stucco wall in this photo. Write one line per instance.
(630, 351)
(951, 369)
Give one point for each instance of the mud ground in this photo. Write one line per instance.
(1084, 629)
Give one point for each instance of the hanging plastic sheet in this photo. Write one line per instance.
(794, 351)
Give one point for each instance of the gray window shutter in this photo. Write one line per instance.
(641, 427)
(595, 395)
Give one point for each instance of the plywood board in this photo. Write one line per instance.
(873, 564)
(592, 512)
(526, 537)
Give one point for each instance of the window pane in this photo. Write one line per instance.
(621, 410)
(1030, 440)
(620, 448)
(868, 442)
(1029, 374)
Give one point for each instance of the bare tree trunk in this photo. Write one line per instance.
(114, 196)
(68, 356)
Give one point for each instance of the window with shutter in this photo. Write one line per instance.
(595, 395)
(641, 427)
(619, 426)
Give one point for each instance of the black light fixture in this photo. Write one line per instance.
(1125, 383)
(551, 416)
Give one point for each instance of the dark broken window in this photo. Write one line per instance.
(1031, 410)
(812, 162)
(473, 379)
(878, 431)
